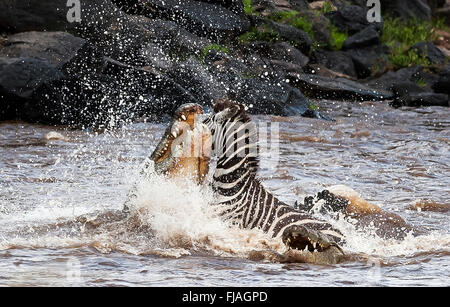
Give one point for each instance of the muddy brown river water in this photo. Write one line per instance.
(393, 158)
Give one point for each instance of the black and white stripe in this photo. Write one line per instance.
(242, 199)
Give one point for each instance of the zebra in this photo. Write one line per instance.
(242, 199)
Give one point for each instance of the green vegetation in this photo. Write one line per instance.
(327, 7)
(421, 82)
(255, 34)
(208, 48)
(248, 7)
(337, 38)
(313, 106)
(293, 19)
(401, 35)
(400, 57)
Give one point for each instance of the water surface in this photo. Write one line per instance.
(393, 158)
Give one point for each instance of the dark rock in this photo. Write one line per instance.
(319, 69)
(430, 51)
(57, 48)
(198, 80)
(340, 89)
(366, 37)
(369, 61)
(35, 65)
(299, 5)
(294, 35)
(386, 81)
(320, 27)
(21, 76)
(143, 91)
(403, 88)
(407, 9)
(444, 13)
(422, 99)
(170, 36)
(338, 61)
(236, 6)
(269, 7)
(263, 97)
(33, 15)
(226, 78)
(351, 19)
(202, 18)
(118, 35)
(436, 4)
(280, 52)
(442, 85)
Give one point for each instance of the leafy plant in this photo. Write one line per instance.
(400, 58)
(327, 7)
(293, 19)
(400, 35)
(248, 7)
(255, 34)
(313, 106)
(208, 48)
(337, 38)
(421, 82)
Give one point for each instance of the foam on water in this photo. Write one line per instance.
(175, 218)
(181, 214)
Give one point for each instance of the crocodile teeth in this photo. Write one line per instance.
(183, 117)
(174, 134)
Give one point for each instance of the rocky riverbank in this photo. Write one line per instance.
(127, 60)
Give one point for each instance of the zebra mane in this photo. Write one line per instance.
(223, 104)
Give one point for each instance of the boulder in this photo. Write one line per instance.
(294, 35)
(56, 48)
(369, 61)
(22, 76)
(422, 100)
(168, 35)
(367, 37)
(338, 61)
(320, 27)
(236, 6)
(442, 85)
(444, 13)
(269, 7)
(351, 19)
(226, 78)
(33, 15)
(282, 51)
(407, 9)
(430, 51)
(34, 65)
(202, 18)
(321, 87)
(385, 82)
(406, 88)
(198, 80)
(264, 97)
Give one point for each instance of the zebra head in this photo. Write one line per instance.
(234, 141)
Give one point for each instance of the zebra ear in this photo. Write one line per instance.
(229, 109)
